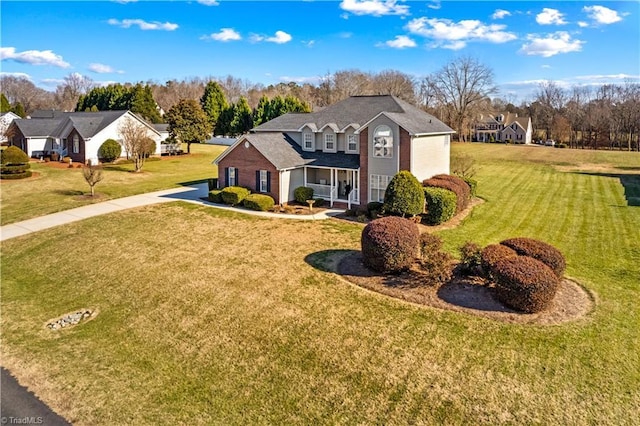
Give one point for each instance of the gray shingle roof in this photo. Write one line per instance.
(284, 153)
(52, 123)
(360, 110)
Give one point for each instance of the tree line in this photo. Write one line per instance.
(606, 116)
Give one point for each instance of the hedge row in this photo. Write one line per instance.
(215, 196)
(545, 253)
(259, 202)
(390, 244)
(234, 195)
(492, 254)
(454, 184)
(14, 168)
(441, 205)
(14, 176)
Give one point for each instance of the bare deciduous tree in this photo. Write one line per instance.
(137, 141)
(92, 174)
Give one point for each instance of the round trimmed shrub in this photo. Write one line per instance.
(492, 254)
(303, 193)
(234, 195)
(319, 202)
(524, 283)
(453, 184)
(13, 155)
(258, 202)
(215, 196)
(404, 195)
(544, 252)
(109, 151)
(441, 205)
(390, 244)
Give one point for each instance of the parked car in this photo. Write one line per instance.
(550, 142)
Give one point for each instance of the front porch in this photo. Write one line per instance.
(334, 184)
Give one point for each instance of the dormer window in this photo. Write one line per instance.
(330, 142)
(308, 142)
(352, 143)
(383, 142)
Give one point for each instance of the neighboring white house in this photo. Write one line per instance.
(5, 120)
(77, 135)
(348, 152)
(506, 127)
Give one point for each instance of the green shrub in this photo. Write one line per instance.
(453, 184)
(259, 202)
(404, 195)
(524, 283)
(215, 196)
(319, 202)
(13, 155)
(109, 151)
(435, 263)
(470, 258)
(441, 205)
(14, 168)
(492, 254)
(234, 195)
(303, 193)
(14, 176)
(374, 208)
(390, 244)
(473, 185)
(544, 252)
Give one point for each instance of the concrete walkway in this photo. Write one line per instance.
(191, 193)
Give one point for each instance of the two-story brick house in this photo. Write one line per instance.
(347, 152)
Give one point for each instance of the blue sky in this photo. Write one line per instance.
(524, 42)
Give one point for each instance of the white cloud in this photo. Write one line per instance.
(551, 44)
(550, 17)
(16, 74)
(52, 81)
(301, 80)
(209, 2)
(500, 13)
(455, 35)
(225, 34)
(309, 43)
(435, 5)
(374, 7)
(143, 25)
(582, 24)
(608, 77)
(33, 57)
(280, 37)
(545, 66)
(400, 42)
(125, 1)
(103, 69)
(345, 35)
(602, 15)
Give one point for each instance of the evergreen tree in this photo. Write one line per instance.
(18, 109)
(188, 123)
(260, 113)
(223, 126)
(137, 99)
(213, 102)
(242, 117)
(5, 106)
(404, 195)
(143, 104)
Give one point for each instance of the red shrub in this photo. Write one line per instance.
(390, 244)
(493, 253)
(435, 263)
(455, 184)
(545, 253)
(524, 283)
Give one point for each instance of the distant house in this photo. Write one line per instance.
(505, 127)
(77, 135)
(347, 152)
(5, 120)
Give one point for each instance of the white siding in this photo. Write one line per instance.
(36, 144)
(430, 155)
(294, 179)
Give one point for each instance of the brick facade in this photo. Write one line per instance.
(405, 150)
(248, 161)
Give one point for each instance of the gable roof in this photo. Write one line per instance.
(359, 111)
(284, 153)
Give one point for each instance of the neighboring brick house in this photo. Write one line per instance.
(506, 127)
(347, 152)
(77, 135)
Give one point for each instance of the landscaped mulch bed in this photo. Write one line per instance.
(463, 294)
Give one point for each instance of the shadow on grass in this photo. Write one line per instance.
(328, 260)
(630, 182)
(68, 192)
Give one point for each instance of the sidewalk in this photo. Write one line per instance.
(190, 194)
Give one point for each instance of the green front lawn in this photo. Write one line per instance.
(57, 189)
(209, 317)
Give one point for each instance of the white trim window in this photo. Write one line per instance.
(76, 144)
(330, 142)
(352, 143)
(308, 142)
(232, 176)
(383, 142)
(377, 186)
(264, 186)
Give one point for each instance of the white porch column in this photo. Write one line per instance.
(333, 171)
(305, 176)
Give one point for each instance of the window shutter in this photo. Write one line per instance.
(226, 176)
(257, 180)
(237, 178)
(268, 181)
